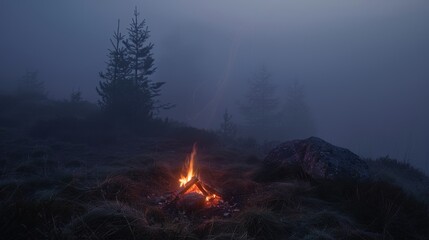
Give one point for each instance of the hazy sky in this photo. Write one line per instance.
(364, 63)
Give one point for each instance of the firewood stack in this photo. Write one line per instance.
(208, 201)
(205, 189)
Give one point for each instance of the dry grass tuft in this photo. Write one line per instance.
(381, 207)
(220, 229)
(239, 189)
(120, 188)
(280, 197)
(401, 174)
(155, 215)
(269, 173)
(261, 223)
(115, 221)
(41, 219)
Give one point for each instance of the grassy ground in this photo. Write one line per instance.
(68, 178)
(58, 190)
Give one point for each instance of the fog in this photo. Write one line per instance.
(364, 65)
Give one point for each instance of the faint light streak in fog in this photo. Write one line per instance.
(211, 108)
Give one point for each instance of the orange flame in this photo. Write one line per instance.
(191, 172)
(190, 167)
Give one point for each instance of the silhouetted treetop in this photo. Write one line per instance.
(126, 89)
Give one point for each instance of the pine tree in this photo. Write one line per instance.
(31, 86)
(260, 101)
(140, 58)
(227, 128)
(296, 120)
(76, 96)
(126, 89)
(116, 90)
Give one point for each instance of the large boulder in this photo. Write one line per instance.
(318, 159)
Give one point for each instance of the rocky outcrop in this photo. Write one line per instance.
(318, 159)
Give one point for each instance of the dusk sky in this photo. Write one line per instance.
(364, 64)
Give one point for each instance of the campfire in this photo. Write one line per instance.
(194, 195)
(190, 183)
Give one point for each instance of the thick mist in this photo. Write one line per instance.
(363, 65)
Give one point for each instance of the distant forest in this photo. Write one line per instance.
(128, 95)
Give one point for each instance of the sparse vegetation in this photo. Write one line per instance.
(63, 190)
(72, 169)
(228, 129)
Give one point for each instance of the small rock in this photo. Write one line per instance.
(191, 202)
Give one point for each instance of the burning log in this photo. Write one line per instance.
(194, 195)
(205, 189)
(210, 189)
(191, 184)
(187, 186)
(201, 188)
